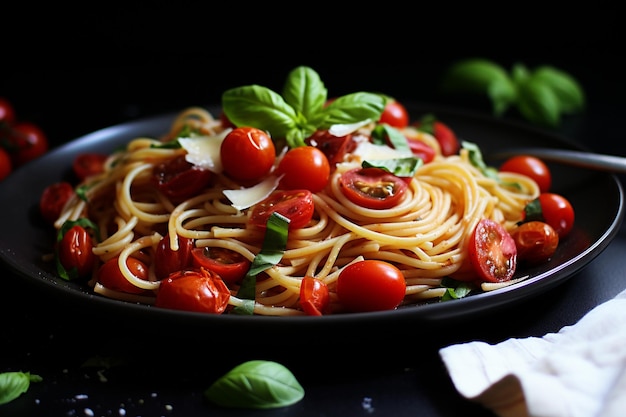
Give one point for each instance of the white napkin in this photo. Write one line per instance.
(578, 372)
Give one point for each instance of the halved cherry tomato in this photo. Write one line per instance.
(296, 205)
(167, 260)
(314, 296)
(110, 276)
(5, 164)
(7, 112)
(247, 153)
(304, 167)
(535, 241)
(395, 114)
(87, 164)
(53, 200)
(196, 290)
(421, 150)
(334, 147)
(26, 142)
(558, 212)
(532, 167)
(372, 188)
(371, 285)
(231, 266)
(75, 252)
(492, 252)
(178, 179)
(446, 137)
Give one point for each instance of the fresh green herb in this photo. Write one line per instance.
(533, 211)
(476, 158)
(455, 289)
(14, 384)
(541, 96)
(401, 167)
(256, 384)
(300, 110)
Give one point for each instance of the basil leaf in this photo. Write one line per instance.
(473, 75)
(476, 159)
(351, 108)
(305, 91)
(538, 103)
(14, 384)
(568, 92)
(256, 384)
(503, 94)
(401, 167)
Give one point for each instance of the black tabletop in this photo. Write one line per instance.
(154, 375)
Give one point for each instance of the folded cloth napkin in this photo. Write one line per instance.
(578, 372)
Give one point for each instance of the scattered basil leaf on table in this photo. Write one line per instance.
(14, 384)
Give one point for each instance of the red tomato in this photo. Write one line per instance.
(492, 252)
(226, 123)
(88, 164)
(231, 266)
(372, 188)
(75, 252)
(334, 147)
(314, 296)
(247, 153)
(557, 212)
(53, 200)
(304, 167)
(446, 137)
(395, 114)
(535, 241)
(179, 179)
(532, 167)
(370, 285)
(110, 276)
(27, 142)
(196, 290)
(7, 112)
(5, 164)
(296, 205)
(167, 260)
(421, 150)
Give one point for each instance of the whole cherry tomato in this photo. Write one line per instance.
(334, 147)
(178, 179)
(446, 137)
(88, 164)
(5, 164)
(247, 153)
(314, 296)
(296, 205)
(7, 112)
(196, 290)
(370, 285)
(373, 188)
(532, 167)
(26, 142)
(535, 241)
(304, 167)
(110, 276)
(558, 212)
(53, 200)
(492, 252)
(231, 266)
(167, 260)
(75, 251)
(395, 114)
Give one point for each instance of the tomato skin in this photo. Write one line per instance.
(334, 147)
(231, 266)
(371, 285)
(532, 167)
(167, 260)
(395, 114)
(492, 252)
(314, 296)
(535, 241)
(88, 164)
(75, 251)
(304, 167)
(296, 205)
(5, 164)
(372, 188)
(558, 212)
(247, 153)
(27, 142)
(7, 112)
(446, 137)
(178, 179)
(110, 276)
(196, 290)
(53, 198)
(421, 150)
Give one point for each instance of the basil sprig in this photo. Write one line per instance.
(300, 110)
(541, 96)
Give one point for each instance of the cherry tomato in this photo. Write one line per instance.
(88, 164)
(167, 260)
(314, 296)
(7, 112)
(179, 179)
(53, 200)
(421, 150)
(492, 252)
(231, 266)
(557, 212)
(247, 153)
(446, 137)
(372, 188)
(304, 167)
(226, 123)
(530, 166)
(395, 114)
(334, 147)
(370, 285)
(5, 164)
(110, 276)
(197, 290)
(535, 241)
(75, 252)
(296, 205)
(27, 142)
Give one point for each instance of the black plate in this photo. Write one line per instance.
(597, 199)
